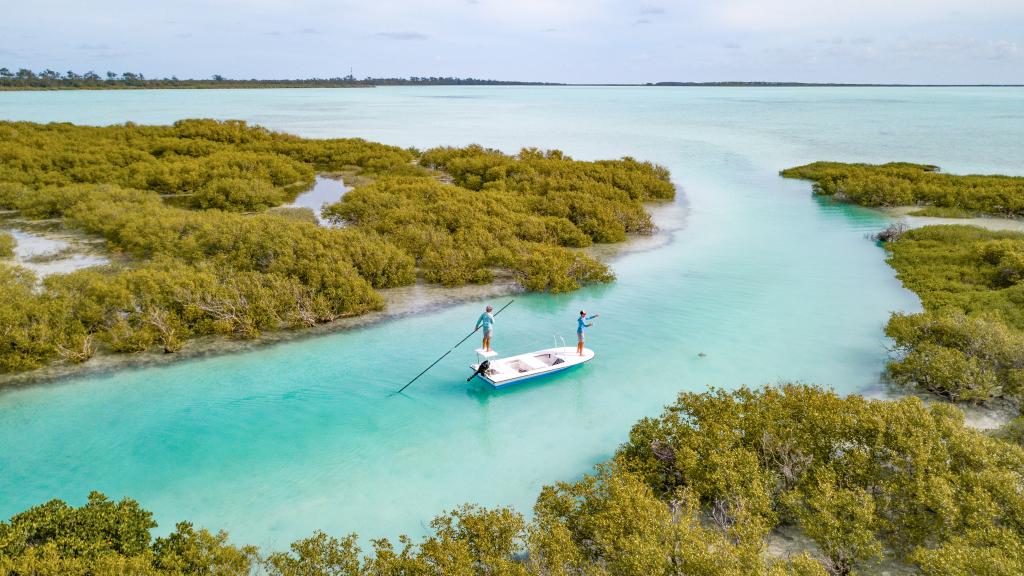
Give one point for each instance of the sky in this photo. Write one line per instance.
(578, 41)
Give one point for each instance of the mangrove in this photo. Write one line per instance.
(7, 244)
(968, 344)
(191, 216)
(907, 184)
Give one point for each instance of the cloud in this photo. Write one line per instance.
(1004, 50)
(402, 35)
(300, 31)
(807, 14)
(832, 40)
(961, 47)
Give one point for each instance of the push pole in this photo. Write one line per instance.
(448, 352)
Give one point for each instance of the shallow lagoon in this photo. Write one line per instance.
(767, 281)
(324, 191)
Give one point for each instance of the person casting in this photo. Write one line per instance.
(581, 325)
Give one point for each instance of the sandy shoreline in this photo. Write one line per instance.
(990, 223)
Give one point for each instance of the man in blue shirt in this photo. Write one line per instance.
(486, 321)
(581, 323)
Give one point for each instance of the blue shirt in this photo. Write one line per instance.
(581, 323)
(486, 320)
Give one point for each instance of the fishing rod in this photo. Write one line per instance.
(448, 352)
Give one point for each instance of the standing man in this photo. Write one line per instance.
(581, 323)
(486, 321)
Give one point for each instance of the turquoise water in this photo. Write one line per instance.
(769, 282)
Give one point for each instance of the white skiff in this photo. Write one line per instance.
(501, 372)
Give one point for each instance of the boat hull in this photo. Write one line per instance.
(530, 366)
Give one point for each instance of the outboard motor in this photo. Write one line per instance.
(480, 369)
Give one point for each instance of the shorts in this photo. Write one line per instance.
(580, 335)
(487, 333)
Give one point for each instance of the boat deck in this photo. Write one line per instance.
(514, 369)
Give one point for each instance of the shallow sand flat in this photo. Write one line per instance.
(990, 223)
(47, 252)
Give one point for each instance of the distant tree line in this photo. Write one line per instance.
(26, 79)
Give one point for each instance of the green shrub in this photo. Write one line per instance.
(105, 538)
(238, 195)
(31, 324)
(969, 343)
(962, 358)
(864, 479)
(521, 213)
(902, 184)
(7, 244)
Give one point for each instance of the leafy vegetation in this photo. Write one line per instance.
(904, 184)
(515, 212)
(111, 538)
(968, 345)
(201, 245)
(7, 244)
(865, 480)
(696, 491)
